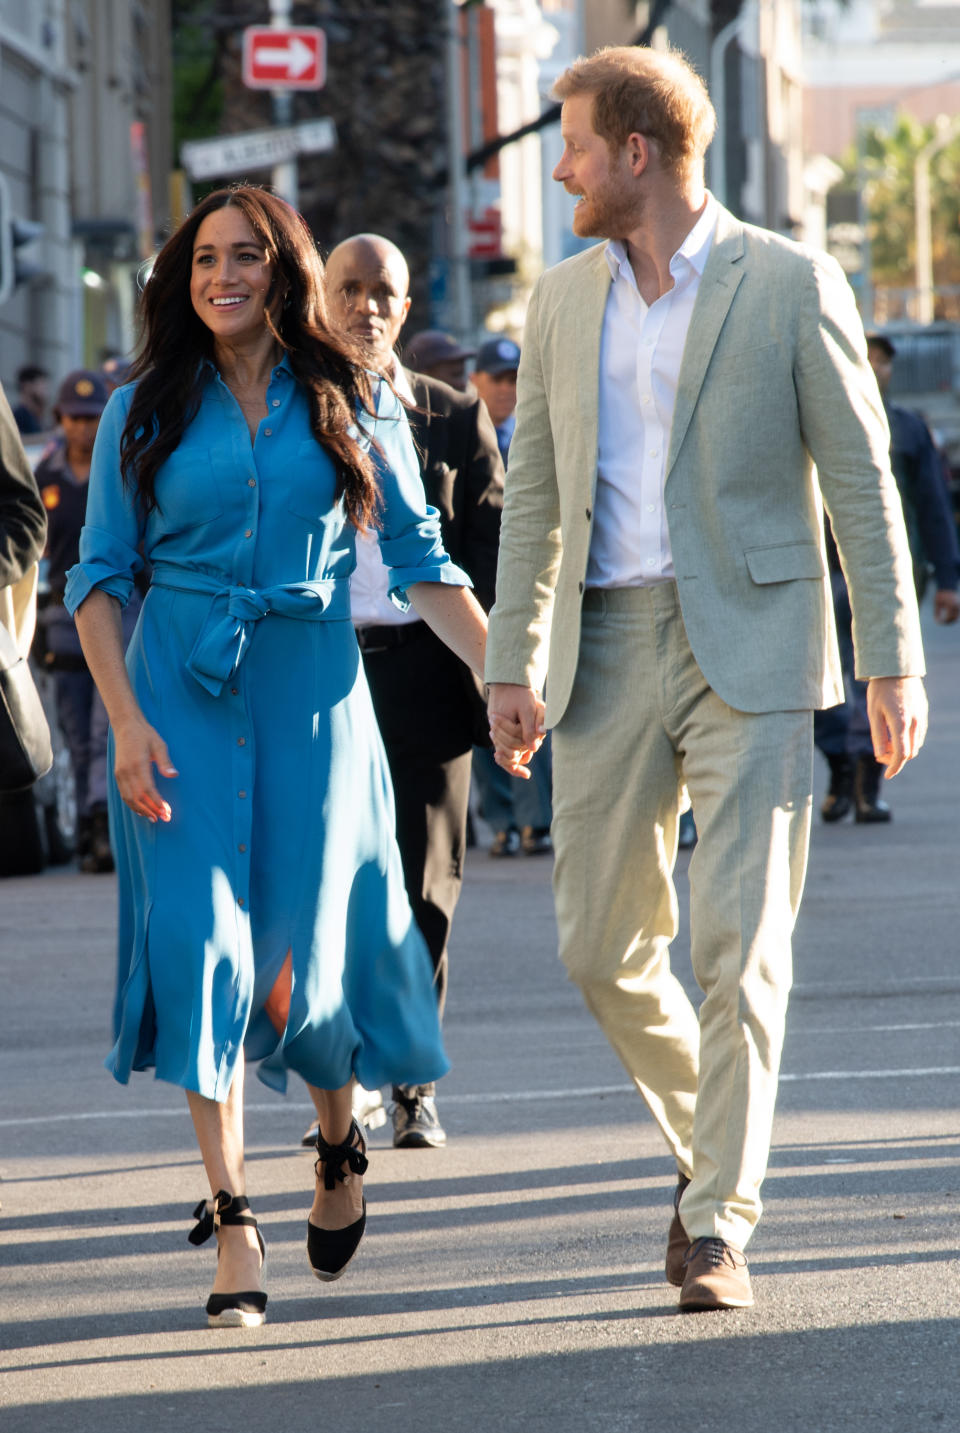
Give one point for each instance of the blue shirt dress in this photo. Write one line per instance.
(244, 659)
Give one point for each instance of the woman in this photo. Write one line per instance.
(262, 907)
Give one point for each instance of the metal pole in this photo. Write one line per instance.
(718, 93)
(285, 176)
(456, 189)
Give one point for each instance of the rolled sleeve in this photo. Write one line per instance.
(106, 562)
(409, 534)
(113, 531)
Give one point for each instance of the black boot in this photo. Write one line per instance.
(839, 799)
(98, 856)
(866, 792)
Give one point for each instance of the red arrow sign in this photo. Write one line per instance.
(284, 59)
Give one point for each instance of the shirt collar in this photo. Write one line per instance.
(694, 250)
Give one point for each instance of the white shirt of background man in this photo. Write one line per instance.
(370, 604)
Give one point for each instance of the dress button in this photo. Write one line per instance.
(276, 402)
(268, 432)
(241, 794)
(251, 482)
(234, 691)
(241, 741)
(239, 900)
(242, 847)
(249, 532)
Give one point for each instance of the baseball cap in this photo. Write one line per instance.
(83, 394)
(497, 355)
(880, 340)
(432, 346)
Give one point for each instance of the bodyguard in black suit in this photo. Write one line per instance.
(427, 703)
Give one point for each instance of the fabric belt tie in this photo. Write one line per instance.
(234, 611)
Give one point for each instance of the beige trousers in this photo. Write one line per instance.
(642, 725)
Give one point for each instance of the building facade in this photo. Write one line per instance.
(85, 153)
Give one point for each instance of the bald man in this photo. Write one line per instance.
(427, 703)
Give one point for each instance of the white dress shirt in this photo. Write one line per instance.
(370, 604)
(641, 348)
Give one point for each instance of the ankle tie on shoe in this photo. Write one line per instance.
(203, 1229)
(333, 1156)
(716, 1251)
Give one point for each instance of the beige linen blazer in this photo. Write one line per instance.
(776, 406)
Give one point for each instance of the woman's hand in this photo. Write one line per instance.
(138, 748)
(516, 726)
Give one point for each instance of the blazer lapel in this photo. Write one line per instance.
(587, 323)
(721, 277)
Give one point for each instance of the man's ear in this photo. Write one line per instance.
(639, 152)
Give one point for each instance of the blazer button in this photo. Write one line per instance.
(580, 586)
(589, 514)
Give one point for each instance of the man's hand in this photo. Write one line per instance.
(946, 605)
(516, 726)
(897, 708)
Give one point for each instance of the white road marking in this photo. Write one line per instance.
(499, 1097)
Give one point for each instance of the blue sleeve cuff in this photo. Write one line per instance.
(105, 562)
(417, 555)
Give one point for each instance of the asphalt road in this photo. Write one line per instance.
(512, 1280)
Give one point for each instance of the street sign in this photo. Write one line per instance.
(256, 149)
(275, 59)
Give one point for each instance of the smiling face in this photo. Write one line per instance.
(367, 283)
(610, 203)
(231, 276)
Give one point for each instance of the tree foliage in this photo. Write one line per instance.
(887, 167)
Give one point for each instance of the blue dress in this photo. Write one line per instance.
(244, 659)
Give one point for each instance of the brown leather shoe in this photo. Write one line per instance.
(678, 1240)
(716, 1277)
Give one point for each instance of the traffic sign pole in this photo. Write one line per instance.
(285, 176)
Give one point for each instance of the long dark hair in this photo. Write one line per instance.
(328, 365)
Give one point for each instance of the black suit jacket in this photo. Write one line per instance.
(23, 521)
(462, 475)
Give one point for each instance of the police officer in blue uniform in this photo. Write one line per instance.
(62, 475)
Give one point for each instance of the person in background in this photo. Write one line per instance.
(438, 355)
(430, 762)
(117, 370)
(62, 476)
(842, 733)
(33, 396)
(22, 533)
(519, 813)
(494, 377)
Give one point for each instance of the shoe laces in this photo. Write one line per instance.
(715, 1252)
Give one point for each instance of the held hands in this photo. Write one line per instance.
(138, 748)
(516, 726)
(897, 709)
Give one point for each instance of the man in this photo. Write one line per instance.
(427, 704)
(494, 377)
(62, 476)
(843, 732)
(33, 394)
(437, 355)
(661, 563)
(519, 814)
(22, 529)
